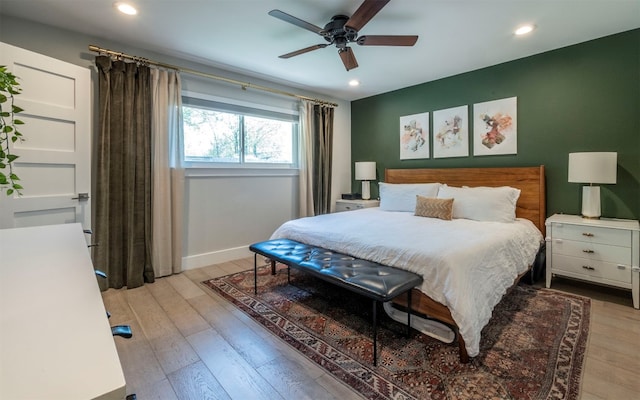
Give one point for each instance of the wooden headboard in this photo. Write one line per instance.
(530, 180)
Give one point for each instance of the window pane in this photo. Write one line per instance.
(211, 136)
(268, 140)
(218, 133)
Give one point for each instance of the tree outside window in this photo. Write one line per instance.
(214, 136)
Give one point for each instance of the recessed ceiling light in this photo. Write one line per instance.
(126, 8)
(523, 30)
(354, 82)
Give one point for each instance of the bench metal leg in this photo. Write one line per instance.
(255, 273)
(375, 326)
(409, 314)
(375, 333)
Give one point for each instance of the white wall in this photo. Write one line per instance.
(224, 214)
(220, 226)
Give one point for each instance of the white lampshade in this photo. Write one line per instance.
(366, 171)
(595, 167)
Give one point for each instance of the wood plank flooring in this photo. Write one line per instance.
(189, 343)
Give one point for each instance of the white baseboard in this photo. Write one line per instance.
(215, 257)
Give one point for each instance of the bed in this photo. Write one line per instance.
(467, 265)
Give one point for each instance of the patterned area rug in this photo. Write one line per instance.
(533, 347)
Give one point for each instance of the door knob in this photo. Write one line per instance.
(81, 197)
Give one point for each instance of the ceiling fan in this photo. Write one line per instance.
(342, 30)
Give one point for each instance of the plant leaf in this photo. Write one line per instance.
(9, 192)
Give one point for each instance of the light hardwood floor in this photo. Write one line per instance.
(189, 343)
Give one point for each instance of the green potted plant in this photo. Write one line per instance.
(9, 87)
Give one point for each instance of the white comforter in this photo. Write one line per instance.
(467, 265)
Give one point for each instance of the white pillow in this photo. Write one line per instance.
(402, 196)
(482, 203)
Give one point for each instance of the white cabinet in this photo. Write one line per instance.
(349, 205)
(603, 251)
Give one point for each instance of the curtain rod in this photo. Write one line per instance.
(244, 85)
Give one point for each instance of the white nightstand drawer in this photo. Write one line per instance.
(350, 205)
(347, 206)
(592, 251)
(592, 234)
(592, 269)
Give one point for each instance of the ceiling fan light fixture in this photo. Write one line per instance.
(524, 29)
(125, 8)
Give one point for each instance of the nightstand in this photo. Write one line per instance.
(602, 251)
(349, 205)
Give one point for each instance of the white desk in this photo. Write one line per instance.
(55, 338)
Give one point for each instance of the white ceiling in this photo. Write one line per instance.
(455, 36)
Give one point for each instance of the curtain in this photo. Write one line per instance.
(123, 174)
(167, 191)
(322, 157)
(315, 157)
(305, 162)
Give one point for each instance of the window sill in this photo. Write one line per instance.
(201, 172)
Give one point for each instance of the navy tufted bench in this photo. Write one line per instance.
(378, 282)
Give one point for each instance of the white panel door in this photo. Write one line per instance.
(55, 159)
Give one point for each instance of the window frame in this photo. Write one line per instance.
(243, 109)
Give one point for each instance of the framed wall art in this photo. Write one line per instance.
(450, 132)
(495, 127)
(414, 136)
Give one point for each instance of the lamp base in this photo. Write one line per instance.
(366, 190)
(591, 202)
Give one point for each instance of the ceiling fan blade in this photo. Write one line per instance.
(296, 21)
(348, 58)
(367, 10)
(305, 50)
(387, 40)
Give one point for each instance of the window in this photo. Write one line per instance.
(217, 134)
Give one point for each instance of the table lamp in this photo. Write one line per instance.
(593, 167)
(365, 172)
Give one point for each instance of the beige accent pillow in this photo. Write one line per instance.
(434, 208)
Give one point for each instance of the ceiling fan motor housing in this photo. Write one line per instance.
(335, 33)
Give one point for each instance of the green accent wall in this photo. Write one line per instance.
(585, 97)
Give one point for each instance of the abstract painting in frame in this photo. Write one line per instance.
(414, 136)
(450, 132)
(495, 127)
